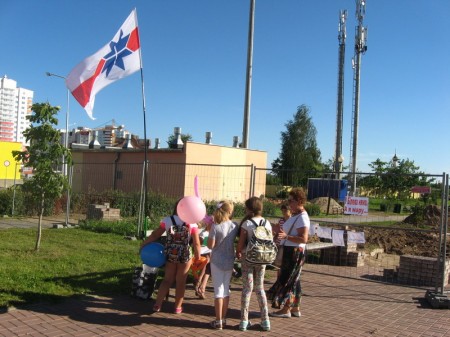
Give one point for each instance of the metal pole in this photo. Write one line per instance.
(248, 86)
(66, 145)
(14, 190)
(355, 121)
(340, 99)
(443, 235)
(360, 48)
(69, 176)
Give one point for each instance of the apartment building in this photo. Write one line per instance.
(15, 105)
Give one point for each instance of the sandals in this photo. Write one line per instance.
(157, 308)
(216, 324)
(200, 293)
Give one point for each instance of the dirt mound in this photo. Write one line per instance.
(400, 242)
(323, 204)
(407, 241)
(429, 216)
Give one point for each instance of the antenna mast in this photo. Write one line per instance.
(248, 84)
(342, 34)
(360, 48)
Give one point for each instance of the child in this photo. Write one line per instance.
(252, 273)
(200, 286)
(221, 242)
(286, 212)
(178, 255)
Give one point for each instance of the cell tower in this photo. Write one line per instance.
(360, 48)
(342, 34)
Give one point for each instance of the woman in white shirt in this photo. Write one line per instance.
(286, 293)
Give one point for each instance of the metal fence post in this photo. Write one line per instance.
(443, 233)
(252, 180)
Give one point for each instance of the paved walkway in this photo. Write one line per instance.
(331, 306)
(31, 222)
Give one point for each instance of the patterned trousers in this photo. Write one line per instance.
(253, 278)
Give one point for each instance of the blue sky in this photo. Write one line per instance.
(194, 57)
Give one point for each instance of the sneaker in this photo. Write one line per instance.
(244, 325)
(265, 325)
(216, 324)
(296, 313)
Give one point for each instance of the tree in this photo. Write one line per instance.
(394, 181)
(44, 154)
(171, 141)
(299, 157)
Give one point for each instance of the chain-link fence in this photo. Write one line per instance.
(399, 220)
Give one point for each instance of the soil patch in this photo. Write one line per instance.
(409, 241)
(400, 242)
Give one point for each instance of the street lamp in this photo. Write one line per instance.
(66, 145)
(66, 136)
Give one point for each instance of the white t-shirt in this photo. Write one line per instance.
(292, 224)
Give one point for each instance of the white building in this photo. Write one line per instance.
(107, 136)
(15, 105)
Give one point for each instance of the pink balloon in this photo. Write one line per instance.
(191, 209)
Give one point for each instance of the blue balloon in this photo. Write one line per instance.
(153, 254)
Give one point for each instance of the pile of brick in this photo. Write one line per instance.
(421, 271)
(102, 212)
(344, 256)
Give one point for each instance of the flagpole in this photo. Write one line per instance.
(145, 123)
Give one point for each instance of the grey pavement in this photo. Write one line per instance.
(31, 222)
(331, 306)
(358, 219)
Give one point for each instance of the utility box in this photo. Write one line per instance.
(333, 188)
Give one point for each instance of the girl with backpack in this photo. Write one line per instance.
(221, 241)
(179, 255)
(252, 274)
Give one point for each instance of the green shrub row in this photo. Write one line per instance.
(158, 206)
(126, 227)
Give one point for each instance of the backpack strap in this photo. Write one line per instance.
(173, 220)
(254, 222)
(260, 223)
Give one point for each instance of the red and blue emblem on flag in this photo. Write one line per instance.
(116, 60)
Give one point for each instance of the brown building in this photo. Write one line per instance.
(223, 172)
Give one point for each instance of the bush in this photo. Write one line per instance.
(24, 203)
(312, 209)
(123, 227)
(269, 208)
(5, 202)
(159, 206)
(283, 193)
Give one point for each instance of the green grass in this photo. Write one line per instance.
(70, 262)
